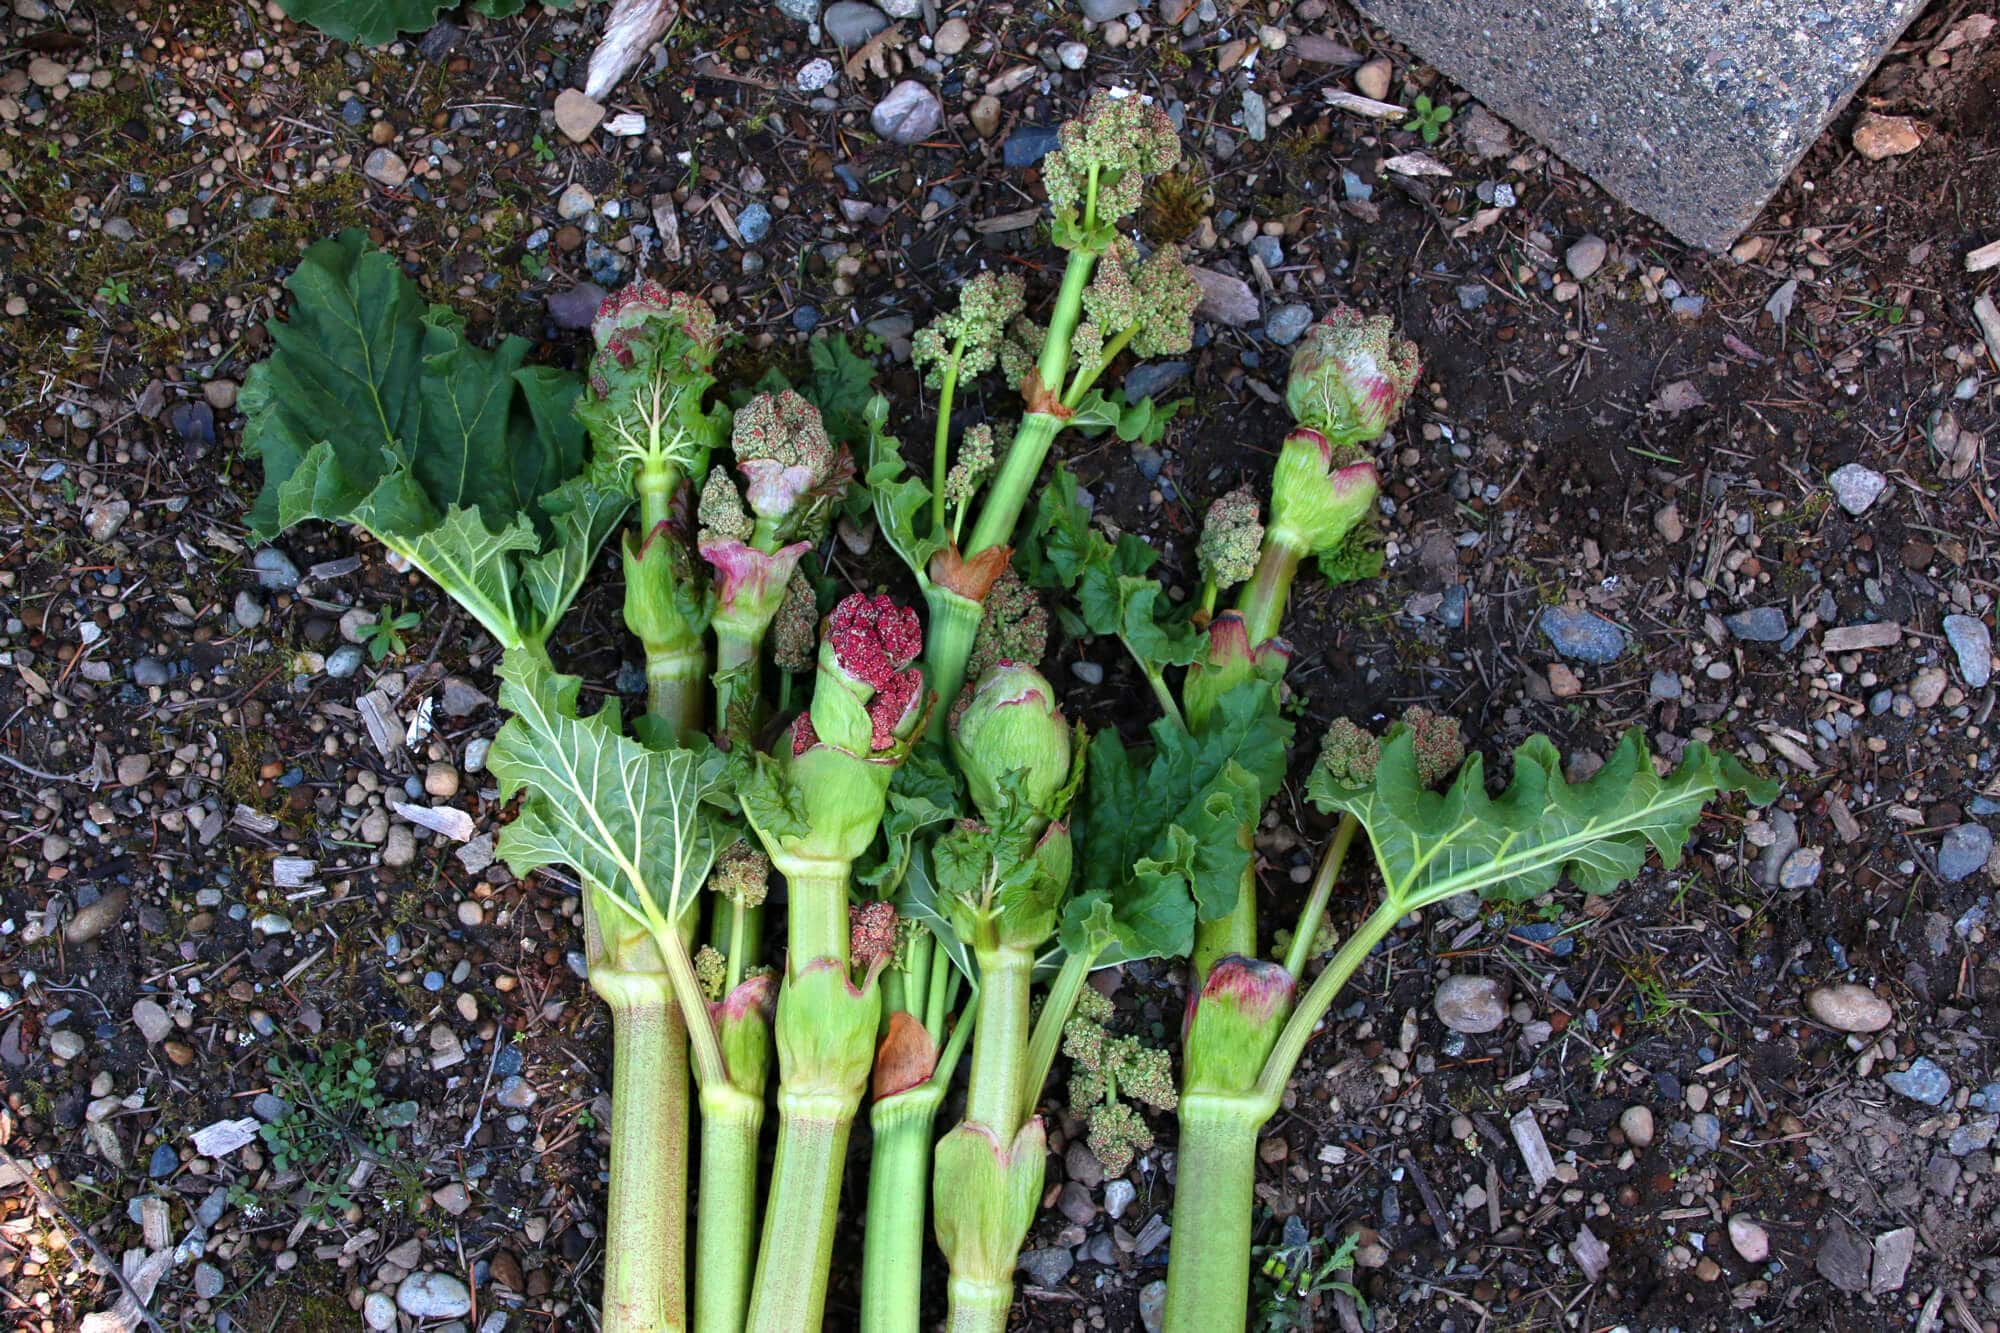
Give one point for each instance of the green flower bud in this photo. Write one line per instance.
(1350, 376)
(1013, 627)
(742, 874)
(1006, 723)
(1232, 1024)
(1319, 493)
(743, 1022)
(826, 1034)
(985, 1195)
(1438, 743)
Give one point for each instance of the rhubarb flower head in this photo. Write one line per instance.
(1108, 1073)
(987, 305)
(872, 935)
(1350, 376)
(792, 471)
(742, 874)
(1013, 627)
(1010, 741)
(1438, 742)
(1348, 754)
(1168, 295)
(1230, 537)
(1232, 1023)
(867, 696)
(646, 313)
(795, 629)
(1320, 492)
(721, 513)
(1107, 152)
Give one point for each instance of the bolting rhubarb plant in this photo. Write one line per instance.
(1435, 833)
(956, 532)
(816, 806)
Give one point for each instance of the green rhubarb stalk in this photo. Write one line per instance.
(726, 1220)
(892, 1249)
(1215, 1177)
(645, 1266)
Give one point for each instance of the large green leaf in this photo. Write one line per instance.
(377, 22)
(898, 497)
(631, 820)
(375, 409)
(1161, 834)
(1434, 845)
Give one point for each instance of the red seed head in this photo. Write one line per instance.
(873, 639)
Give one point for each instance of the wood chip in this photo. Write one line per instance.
(293, 872)
(1852, 638)
(1985, 257)
(1592, 1255)
(253, 821)
(1534, 1148)
(156, 1222)
(1363, 106)
(1988, 316)
(225, 1136)
(1843, 819)
(378, 714)
(1793, 752)
(448, 820)
(1416, 164)
(1015, 221)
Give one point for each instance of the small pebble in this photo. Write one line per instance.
(1963, 852)
(1750, 1240)
(1856, 487)
(1471, 1004)
(1636, 1122)
(1922, 1082)
(1972, 641)
(1585, 256)
(1849, 1008)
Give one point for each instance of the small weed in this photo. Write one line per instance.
(115, 291)
(540, 148)
(1293, 1278)
(384, 638)
(1429, 118)
(336, 1109)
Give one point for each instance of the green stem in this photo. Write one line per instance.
(1215, 1178)
(1162, 695)
(1085, 377)
(645, 1266)
(1057, 1006)
(816, 922)
(799, 1214)
(674, 685)
(892, 1245)
(733, 649)
(978, 1306)
(1312, 1006)
(1235, 933)
(1000, 1043)
(954, 624)
(726, 1215)
(1262, 601)
(941, 439)
(1314, 912)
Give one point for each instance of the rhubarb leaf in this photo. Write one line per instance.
(375, 409)
(632, 821)
(1434, 845)
(1163, 830)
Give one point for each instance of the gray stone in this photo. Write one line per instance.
(386, 168)
(1760, 624)
(909, 112)
(753, 224)
(1225, 298)
(799, 11)
(1856, 487)
(1973, 642)
(574, 308)
(574, 202)
(1585, 256)
(1800, 870)
(1150, 379)
(275, 570)
(1963, 852)
(1664, 685)
(149, 671)
(1103, 11)
(1583, 636)
(1287, 323)
(1689, 111)
(815, 74)
(433, 1296)
(1893, 1252)
(1637, 1124)
(345, 660)
(1844, 1258)
(1047, 1268)
(1118, 1196)
(378, 1312)
(152, 1021)
(1751, 1240)
(1471, 1004)
(208, 1281)
(1922, 1082)
(850, 23)
(1849, 1008)
(249, 612)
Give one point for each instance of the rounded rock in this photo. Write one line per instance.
(1585, 256)
(433, 1296)
(441, 779)
(1849, 1008)
(378, 1311)
(1636, 1123)
(1751, 1241)
(1471, 1005)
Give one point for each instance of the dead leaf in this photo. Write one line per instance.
(1956, 447)
(1416, 164)
(1678, 397)
(1779, 307)
(873, 54)
(905, 1057)
(1480, 221)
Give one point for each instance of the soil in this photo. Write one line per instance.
(1652, 442)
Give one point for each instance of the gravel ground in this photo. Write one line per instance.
(1740, 499)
